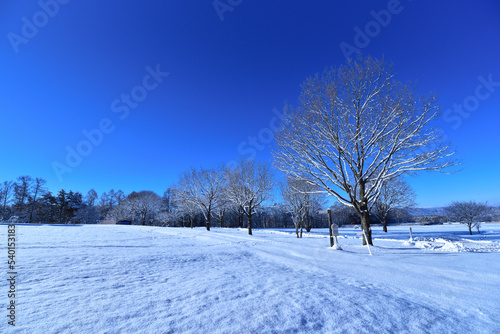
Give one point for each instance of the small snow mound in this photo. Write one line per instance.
(455, 245)
(450, 246)
(337, 247)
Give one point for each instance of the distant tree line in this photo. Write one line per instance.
(240, 197)
(224, 197)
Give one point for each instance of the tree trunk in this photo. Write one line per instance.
(470, 228)
(365, 215)
(240, 219)
(33, 205)
(330, 223)
(308, 225)
(5, 199)
(31, 213)
(208, 217)
(191, 218)
(250, 224)
(384, 223)
(365, 225)
(301, 223)
(297, 230)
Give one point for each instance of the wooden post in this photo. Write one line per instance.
(330, 227)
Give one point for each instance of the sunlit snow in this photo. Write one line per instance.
(133, 279)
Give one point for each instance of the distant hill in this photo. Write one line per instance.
(496, 210)
(438, 211)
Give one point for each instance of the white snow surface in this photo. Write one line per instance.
(135, 279)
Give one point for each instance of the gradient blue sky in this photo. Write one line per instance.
(225, 78)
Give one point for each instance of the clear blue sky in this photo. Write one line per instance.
(72, 71)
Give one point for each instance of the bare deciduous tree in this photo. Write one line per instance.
(144, 203)
(120, 212)
(118, 197)
(168, 199)
(300, 197)
(467, 213)
(221, 212)
(38, 190)
(5, 193)
(166, 218)
(91, 197)
(22, 192)
(185, 208)
(356, 127)
(393, 193)
(250, 184)
(202, 188)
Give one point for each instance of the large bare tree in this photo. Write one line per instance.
(393, 193)
(250, 184)
(356, 127)
(202, 188)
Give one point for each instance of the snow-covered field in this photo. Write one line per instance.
(133, 279)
